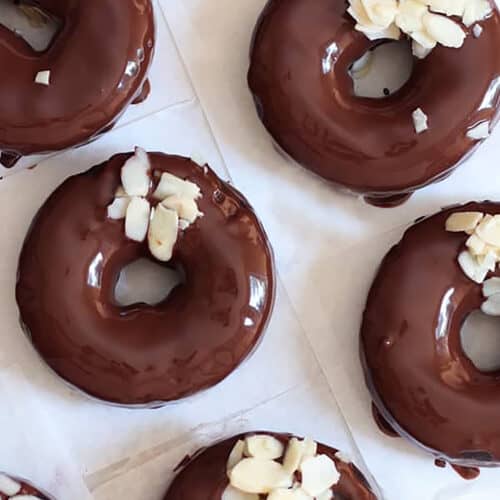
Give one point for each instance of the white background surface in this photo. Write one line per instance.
(327, 247)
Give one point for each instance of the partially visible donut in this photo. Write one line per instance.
(205, 476)
(143, 354)
(14, 488)
(98, 64)
(301, 55)
(422, 382)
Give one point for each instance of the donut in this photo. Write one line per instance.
(423, 384)
(212, 473)
(300, 60)
(95, 66)
(14, 488)
(145, 354)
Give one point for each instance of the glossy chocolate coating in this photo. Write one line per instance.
(143, 354)
(26, 489)
(98, 63)
(421, 380)
(300, 58)
(204, 476)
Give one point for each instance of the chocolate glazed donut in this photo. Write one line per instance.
(204, 476)
(142, 354)
(25, 489)
(422, 382)
(299, 75)
(98, 62)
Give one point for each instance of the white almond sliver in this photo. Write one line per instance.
(186, 208)
(479, 132)
(444, 30)
(293, 455)
(374, 33)
(120, 192)
(43, 78)
(118, 209)
(319, 474)
(489, 230)
(424, 39)
(476, 245)
(254, 475)
(25, 497)
(231, 493)
(311, 448)
(463, 221)
(477, 30)
(170, 185)
(263, 446)
(326, 495)
(488, 261)
(135, 174)
(381, 12)
(419, 51)
(491, 307)
(236, 454)
(476, 10)
(137, 219)
(8, 486)
(448, 7)
(420, 121)
(409, 17)
(287, 494)
(471, 267)
(358, 12)
(163, 232)
(491, 287)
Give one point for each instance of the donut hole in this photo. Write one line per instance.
(35, 26)
(480, 338)
(146, 282)
(382, 70)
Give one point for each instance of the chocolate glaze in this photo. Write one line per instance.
(98, 63)
(143, 354)
(26, 489)
(204, 476)
(300, 58)
(421, 380)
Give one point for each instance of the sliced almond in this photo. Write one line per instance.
(8, 486)
(118, 209)
(476, 245)
(25, 497)
(420, 121)
(294, 454)
(424, 39)
(409, 17)
(491, 287)
(373, 32)
(231, 493)
(476, 10)
(448, 7)
(135, 175)
(489, 230)
(289, 494)
(137, 219)
(186, 208)
(477, 30)
(444, 30)
(236, 454)
(471, 267)
(43, 78)
(419, 51)
(263, 446)
(463, 221)
(170, 185)
(381, 12)
(358, 12)
(479, 132)
(491, 307)
(319, 474)
(311, 448)
(326, 495)
(488, 261)
(254, 475)
(162, 234)
(120, 192)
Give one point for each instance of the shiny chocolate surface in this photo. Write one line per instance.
(422, 382)
(142, 354)
(98, 62)
(300, 58)
(204, 477)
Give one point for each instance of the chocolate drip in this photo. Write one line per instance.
(142, 354)
(98, 62)
(204, 477)
(411, 347)
(299, 76)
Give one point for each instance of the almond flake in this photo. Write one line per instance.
(477, 30)
(424, 39)
(263, 446)
(293, 455)
(373, 32)
(409, 17)
(476, 10)
(162, 234)
(444, 30)
(476, 245)
(491, 287)
(419, 51)
(420, 121)
(319, 474)
(25, 497)
(236, 454)
(381, 12)
(8, 486)
(254, 475)
(491, 307)
(43, 78)
(471, 267)
(479, 132)
(489, 230)
(137, 219)
(448, 7)
(170, 185)
(136, 180)
(186, 208)
(287, 494)
(231, 493)
(118, 209)
(463, 221)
